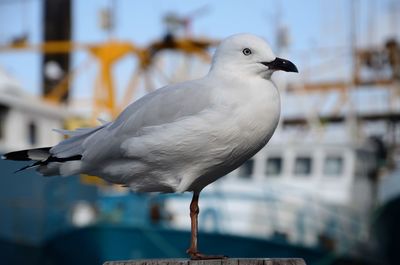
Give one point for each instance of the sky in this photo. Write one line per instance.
(319, 31)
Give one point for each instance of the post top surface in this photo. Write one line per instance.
(228, 261)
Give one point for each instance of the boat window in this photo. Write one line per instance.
(302, 166)
(365, 163)
(32, 133)
(333, 165)
(3, 116)
(246, 170)
(274, 166)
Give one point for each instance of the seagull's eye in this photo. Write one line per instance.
(246, 51)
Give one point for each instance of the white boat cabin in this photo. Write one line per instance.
(26, 121)
(307, 194)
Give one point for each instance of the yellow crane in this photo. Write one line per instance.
(109, 53)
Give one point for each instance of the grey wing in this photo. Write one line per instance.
(162, 106)
(177, 153)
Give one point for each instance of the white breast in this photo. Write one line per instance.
(253, 117)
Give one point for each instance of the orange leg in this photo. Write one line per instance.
(194, 212)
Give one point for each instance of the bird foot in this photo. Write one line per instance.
(195, 255)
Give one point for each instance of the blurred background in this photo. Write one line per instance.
(326, 188)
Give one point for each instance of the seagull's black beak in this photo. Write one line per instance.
(281, 64)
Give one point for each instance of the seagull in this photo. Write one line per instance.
(180, 137)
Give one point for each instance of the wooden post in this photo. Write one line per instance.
(241, 261)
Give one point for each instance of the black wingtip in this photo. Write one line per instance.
(21, 169)
(17, 155)
(26, 155)
(41, 156)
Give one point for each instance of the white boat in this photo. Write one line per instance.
(308, 194)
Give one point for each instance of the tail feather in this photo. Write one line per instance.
(41, 156)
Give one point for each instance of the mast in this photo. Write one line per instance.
(351, 119)
(56, 27)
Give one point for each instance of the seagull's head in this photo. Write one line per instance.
(248, 54)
